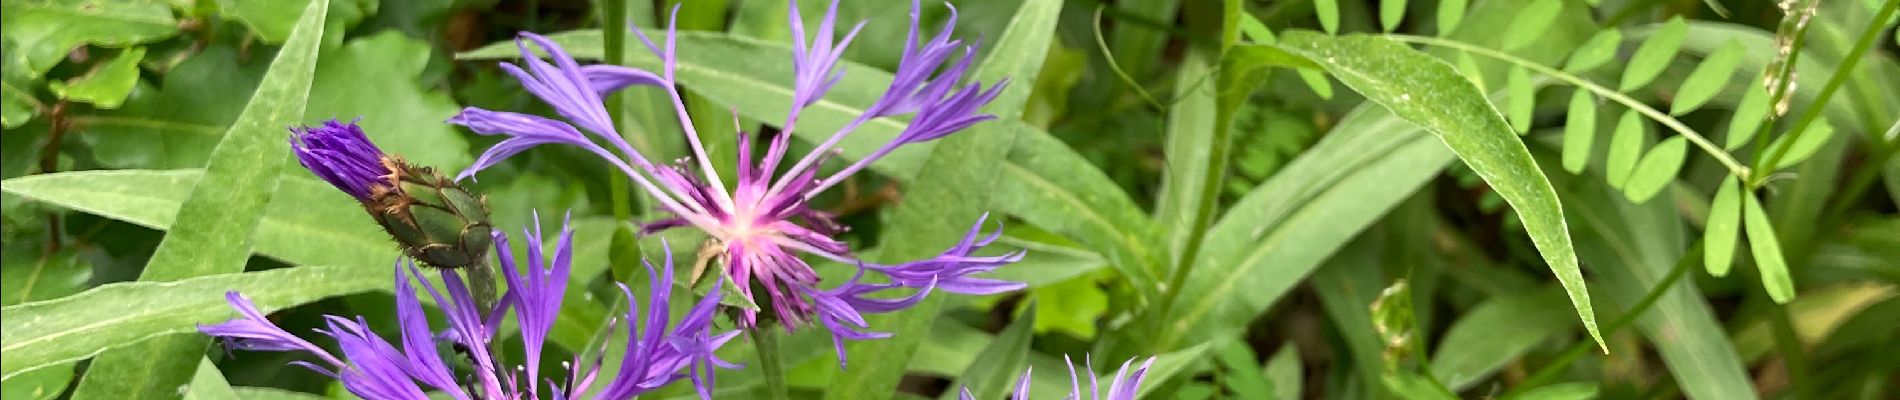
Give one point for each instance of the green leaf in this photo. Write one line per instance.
(1522, 97)
(29, 273)
(378, 78)
(17, 103)
(217, 219)
(1328, 13)
(1494, 333)
(1240, 374)
(1580, 131)
(1657, 169)
(1531, 23)
(1748, 116)
(1468, 66)
(1411, 386)
(1601, 48)
(44, 383)
(1629, 249)
(272, 20)
(1767, 250)
(1806, 145)
(1391, 13)
(118, 315)
(209, 384)
(1708, 79)
(1071, 306)
(268, 393)
(1450, 13)
(994, 372)
(107, 85)
(1284, 228)
(1625, 146)
(1195, 151)
(1654, 54)
(43, 32)
(1561, 391)
(177, 124)
(1429, 93)
(1718, 238)
(1284, 371)
(948, 193)
(1316, 81)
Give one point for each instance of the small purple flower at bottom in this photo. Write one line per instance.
(1125, 386)
(764, 225)
(374, 368)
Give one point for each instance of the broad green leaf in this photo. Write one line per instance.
(1284, 371)
(1601, 48)
(1391, 13)
(1626, 145)
(1580, 131)
(1531, 23)
(1522, 98)
(1195, 151)
(994, 372)
(1071, 306)
(1561, 391)
(1747, 116)
(1429, 93)
(209, 384)
(948, 193)
(272, 20)
(1725, 222)
(29, 273)
(1767, 251)
(1286, 227)
(1317, 81)
(1490, 335)
(1045, 183)
(1450, 13)
(376, 78)
(118, 315)
(17, 104)
(176, 124)
(1240, 374)
(106, 85)
(1411, 386)
(45, 383)
(1806, 145)
(218, 219)
(1657, 169)
(1708, 79)
(1629, 248)
(1654, 55)
(43, 32)
(1328, 13)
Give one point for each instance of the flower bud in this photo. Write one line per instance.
(434, 220)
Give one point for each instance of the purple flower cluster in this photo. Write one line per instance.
(341, 154)
(1125, 386)
(374, 368)
(761, 226)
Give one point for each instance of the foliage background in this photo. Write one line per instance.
(1273, 212)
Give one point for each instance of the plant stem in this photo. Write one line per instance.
(1783, 77)
(1867, 38)
(613, 21)
(1550, 371)
(1735, 167)
(481, 282)
(766, 344)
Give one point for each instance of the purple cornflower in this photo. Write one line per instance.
(374, 368)
(1124, 386)
(342, 155)
(759, 227)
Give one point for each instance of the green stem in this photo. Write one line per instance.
(766, 344)
(481, 282)
(1550, 371)
(1735, 167)
(1867, 38)
(1864, 177)
(1789, 346)
(1784, 77)
(613, 21)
